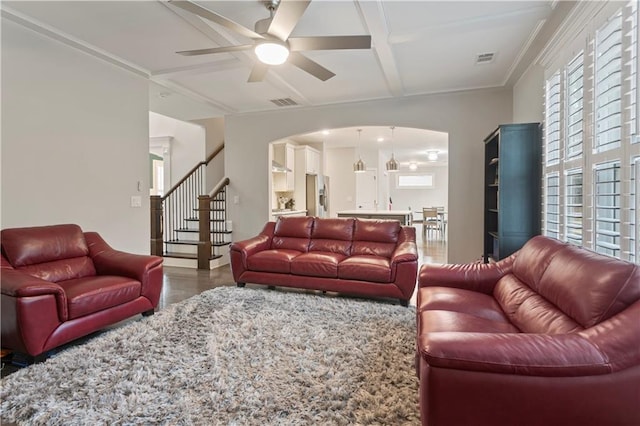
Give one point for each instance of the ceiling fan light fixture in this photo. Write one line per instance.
(272, 52)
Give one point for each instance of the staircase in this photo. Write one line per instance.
(190, 229)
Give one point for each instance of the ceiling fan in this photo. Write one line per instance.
(271, 41)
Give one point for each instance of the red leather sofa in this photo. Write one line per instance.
(364, 257)
(548, 336)
(59, 284)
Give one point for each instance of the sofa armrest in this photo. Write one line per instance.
(524, 354)
(17, 284)
(405, 252)
(480, 277)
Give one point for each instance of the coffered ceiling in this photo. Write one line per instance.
(418, 47)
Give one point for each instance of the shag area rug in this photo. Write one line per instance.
(232, 356)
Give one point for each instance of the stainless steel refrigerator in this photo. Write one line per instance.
(317, 195)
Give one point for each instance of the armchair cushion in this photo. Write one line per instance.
(93, 294)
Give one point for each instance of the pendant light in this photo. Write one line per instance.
(359, 166)
(392, 164)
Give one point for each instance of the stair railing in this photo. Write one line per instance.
(212, 221)
(168, 212)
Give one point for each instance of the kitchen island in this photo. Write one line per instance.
(275, 213)
(404, 216)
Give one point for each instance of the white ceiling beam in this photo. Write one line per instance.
(375, 21)
(68, 40)
(226, 64)
(222, 38)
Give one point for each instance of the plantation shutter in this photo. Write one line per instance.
(552, 119)
(552, 213)
(608, 85)
(573, 207)
(607, 208)
(575, 107)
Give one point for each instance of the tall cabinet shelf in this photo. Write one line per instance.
(512, 188)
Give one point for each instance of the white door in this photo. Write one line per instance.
(367, 190)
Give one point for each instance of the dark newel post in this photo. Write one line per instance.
(204, 225)
(156, 226)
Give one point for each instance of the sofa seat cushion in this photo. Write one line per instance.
(317, 264)
(460, 300)
(365, 268)
(92, 294)
(277, 261)
(451, 321)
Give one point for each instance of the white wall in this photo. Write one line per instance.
(528, 94)
(468, 117)
(75, 141)
(187, 146)
(214, 138)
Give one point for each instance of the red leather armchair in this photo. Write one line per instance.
(362, 257)
(59, 284)
(548, 336)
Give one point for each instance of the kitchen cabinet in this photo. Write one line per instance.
(312, 161)
(284, 154)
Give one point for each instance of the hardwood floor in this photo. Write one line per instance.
(182, 283)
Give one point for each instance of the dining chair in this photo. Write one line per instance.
(430, 220)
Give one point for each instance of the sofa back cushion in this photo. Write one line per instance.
(559, 288)
(292, 233)
(375, 237)
(332, 235)
(52, 253)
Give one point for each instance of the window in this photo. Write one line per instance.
(607, 208)
(552, 215)
(415, 181)
(552, 119)
(608, 85)
(573, 207)
(575, 107)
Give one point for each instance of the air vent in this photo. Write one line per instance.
(485, 58)
(284, 102)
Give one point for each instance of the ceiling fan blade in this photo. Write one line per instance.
(214, 17)
(330, 42)
(312, 67)
(286, 17)
(224, 49)
(258, 72)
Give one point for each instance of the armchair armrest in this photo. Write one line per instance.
(480, 277)
(108, 261)
(18, 284)
(514, 353)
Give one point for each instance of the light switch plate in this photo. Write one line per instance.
(136, 201)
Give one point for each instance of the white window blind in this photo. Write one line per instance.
(552, 119)
(552, 213)
(632, 65)
(633, 207)
(607, 208)
(608, 82)
(573, 207)
(575, 107)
